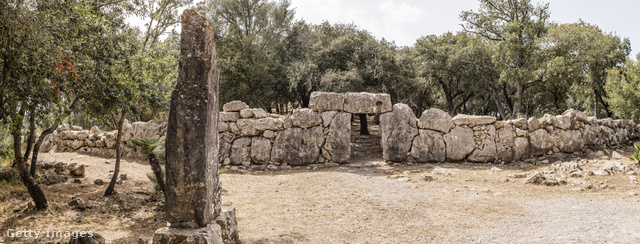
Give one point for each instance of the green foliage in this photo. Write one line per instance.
(636, 154)
(147, 144)
(623, 87)
(154, 180)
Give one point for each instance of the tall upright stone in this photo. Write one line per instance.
(192, 183)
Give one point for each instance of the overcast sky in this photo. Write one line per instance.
(404, 21)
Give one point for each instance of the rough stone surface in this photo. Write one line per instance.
(234, 106)
(533, 124)
(360, 103)
(505, 142)
(436, 119)
(540, 141)
(229, 116)
(77, 170)
(260, 150)
(305, 118)
(398, 129)
(569, 141)
(241, 151)
(337, 144)
(254, 127)
(428, 146)
(486, 151)
(95, 238)
(459, 143)
(327, 117)
(463, 119)
(227, 222)
(192, 190)
(297, 146)
(326, 101)
(246, 113)
(211, 234)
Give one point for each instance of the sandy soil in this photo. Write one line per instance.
(476, 203)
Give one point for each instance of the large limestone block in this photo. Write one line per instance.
(192, 190)
(260, 150)
(338, 142)
(436, 119)
(297, 146)
(254, 127)
(361, 103)
(533, 124)
(327, 117)
(225, 142)
(569, 141)
(241, 151)
(540, 141)
(234, 106)
(472, 120)
(562, 122)
(520, 148)
(305, 118)
(326, 101)
(229, 116)
(506, 136)
(486, 151)
(428, 146)
(459, 143)
(398, 129)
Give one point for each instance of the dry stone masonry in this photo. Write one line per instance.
(252, 138)
(483, 139)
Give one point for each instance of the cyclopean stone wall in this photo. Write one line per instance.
(437, 137)
(102, 143)
(250, 137)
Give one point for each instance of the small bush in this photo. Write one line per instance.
(636, 154)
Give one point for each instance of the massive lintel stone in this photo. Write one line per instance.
(193, 187)
(398, 129)
(472, 120)
(367, 103)
(326, 101)
(297, 146)
(436, 119)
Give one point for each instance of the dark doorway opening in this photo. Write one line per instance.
(365, 148)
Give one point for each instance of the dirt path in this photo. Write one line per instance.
(478, 203)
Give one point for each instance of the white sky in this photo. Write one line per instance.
(404, 21)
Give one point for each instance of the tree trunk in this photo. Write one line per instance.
(112, 184)
(36, 148)
(32, 187)
(364, 129)
(518, 102)
(595, 103)
(32, 135)
(494, 96)
(157, 170)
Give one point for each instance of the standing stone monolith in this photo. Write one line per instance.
(192, 190)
